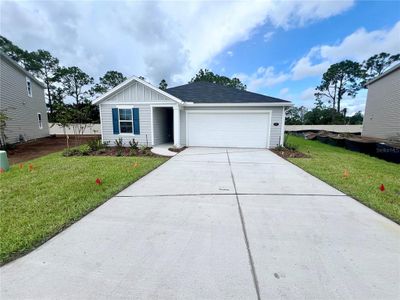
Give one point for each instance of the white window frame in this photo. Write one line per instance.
(119, 121)
(29, 86)
(40, 122)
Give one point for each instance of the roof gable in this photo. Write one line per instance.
(207, 92)
(127, 92)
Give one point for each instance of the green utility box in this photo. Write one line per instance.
(4, 161)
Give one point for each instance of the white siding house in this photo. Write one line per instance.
(22, 100)
(196, 114)
(382, 111)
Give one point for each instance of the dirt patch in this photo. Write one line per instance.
(40, 147)
(288, 153)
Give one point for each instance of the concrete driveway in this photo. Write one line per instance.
(218, 224)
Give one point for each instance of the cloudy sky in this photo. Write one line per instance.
(279, 48)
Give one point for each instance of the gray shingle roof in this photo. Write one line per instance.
(207, 92)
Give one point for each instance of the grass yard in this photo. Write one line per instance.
(365, 174)
(36, 204)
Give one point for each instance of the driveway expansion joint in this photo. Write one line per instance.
(251, 260)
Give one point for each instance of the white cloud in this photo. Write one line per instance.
(170, 40)
(304, 68)
(288, 14)
(306, 98)
(263, 77)
(283, 92)
(230, 53)
(358, 46)
(268, 36)
(362, 44)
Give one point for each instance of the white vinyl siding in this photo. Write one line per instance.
(382, 111)
(135, 95)
(19, 106)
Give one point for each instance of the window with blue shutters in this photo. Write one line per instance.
(125, 120)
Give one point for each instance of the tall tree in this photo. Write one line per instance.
(207, 75)
(45, 66)
(378, 63)
(110, 80)
(295, 115)
(74, 82)
(163, 85)
(11, 50)
(343, 78)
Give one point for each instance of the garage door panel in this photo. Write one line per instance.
(228, 129)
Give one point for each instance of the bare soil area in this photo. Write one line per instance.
(288, 153)
(40, 147)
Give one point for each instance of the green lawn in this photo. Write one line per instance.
(37, 204)
(366, 174)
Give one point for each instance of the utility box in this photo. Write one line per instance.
(4, 161)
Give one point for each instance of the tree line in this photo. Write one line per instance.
(345, 78)
(69, 91)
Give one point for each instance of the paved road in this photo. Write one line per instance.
(218, 224)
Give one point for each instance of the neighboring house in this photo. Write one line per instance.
(382, 111)
(195, 114)
(22, 100)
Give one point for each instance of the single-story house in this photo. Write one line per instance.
(194, 114)
(382, 110)
(22, 100)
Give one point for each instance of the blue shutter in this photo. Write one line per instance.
(136, 126)
(115, 120)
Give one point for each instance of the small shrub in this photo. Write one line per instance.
(119, 143)
(71, 152)
(288, 145)
(84, 149)
(96, 144)
(134, 145)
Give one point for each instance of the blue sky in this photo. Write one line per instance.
(279, 48)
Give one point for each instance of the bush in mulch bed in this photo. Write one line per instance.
(97, 148)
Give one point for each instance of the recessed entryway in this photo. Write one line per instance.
(163, 125)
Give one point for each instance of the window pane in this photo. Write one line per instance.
(40, 120)
(125, 114)
(125, 127)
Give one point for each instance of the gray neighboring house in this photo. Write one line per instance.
(195, 114)
(382, 111)
(22, 99)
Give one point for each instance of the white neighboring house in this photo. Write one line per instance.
(194, 114)
(382, 110)
(22, 100)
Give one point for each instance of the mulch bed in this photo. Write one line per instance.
(177, 150)
(288, 153)
(40, 147)
(113, 151)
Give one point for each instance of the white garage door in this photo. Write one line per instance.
(248, 129)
